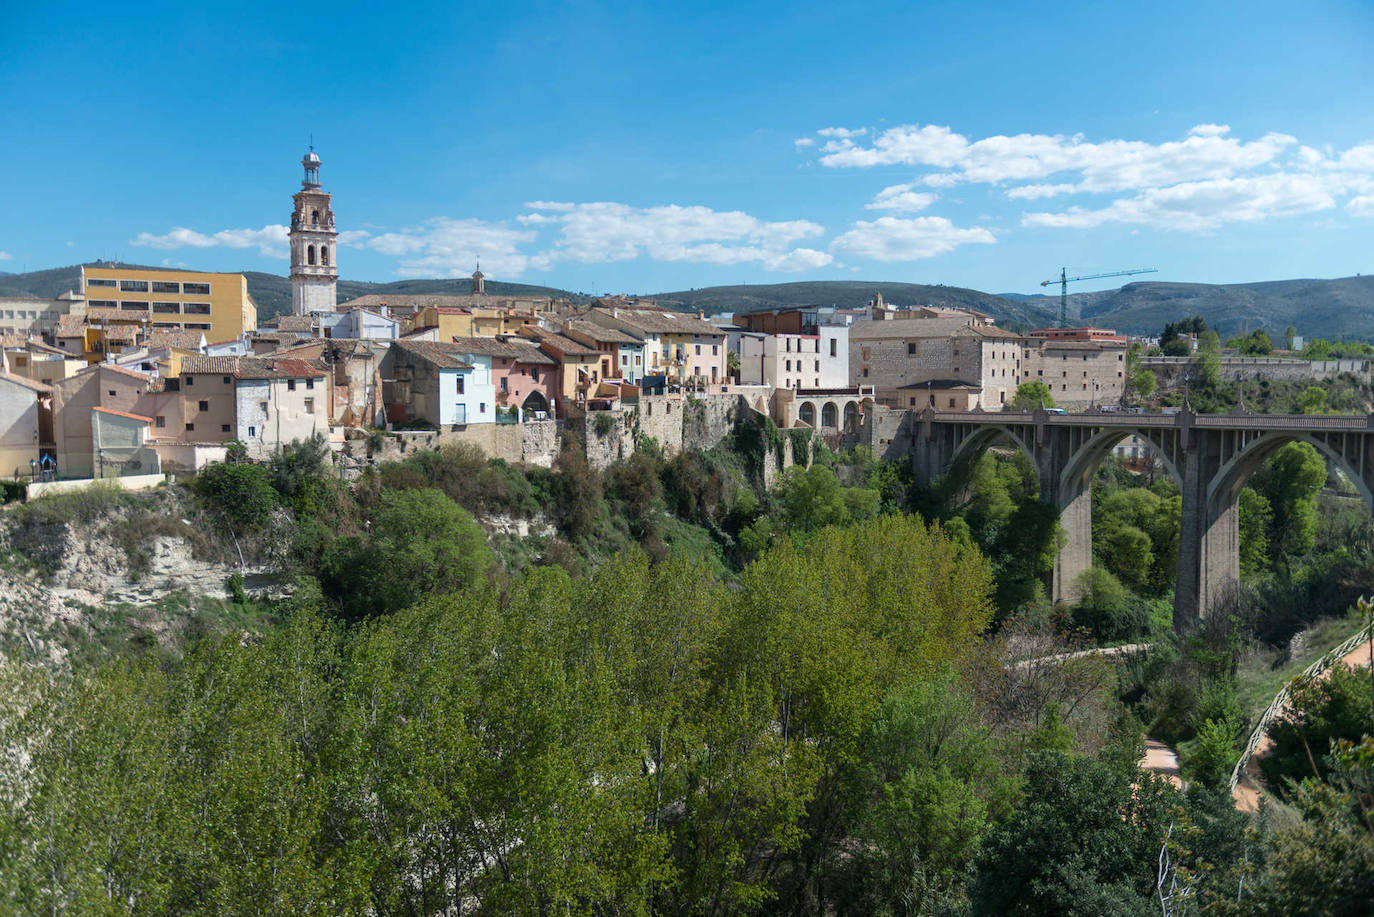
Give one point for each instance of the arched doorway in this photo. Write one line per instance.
(807, 413)
(534, 405)
(830, 416)
(851, 417)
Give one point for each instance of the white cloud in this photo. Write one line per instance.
(354, 238)
(1196, 183)
(270, 241)
(1204, 205)
(895, 239)
(843, 133)
(1034, 192)
(6, 256)
(804, 142)
(607, 232)
(1112, 165)
(550, 205)
(902, 199)
(444, 247)
(1362, 206)
(1209, 130)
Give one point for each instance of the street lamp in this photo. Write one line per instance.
(33, 469)
(101, 454)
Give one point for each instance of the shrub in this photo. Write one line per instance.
(244, 493)
(1210, 757)
(605, 423)
(1322, 711)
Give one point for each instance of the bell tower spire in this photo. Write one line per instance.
(314, 261)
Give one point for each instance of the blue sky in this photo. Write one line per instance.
(652, 147)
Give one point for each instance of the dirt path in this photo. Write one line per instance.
(1248, 789)
(1161, 759)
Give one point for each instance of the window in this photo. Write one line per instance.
(789, 366)
(310, 255)
(134, 286)
(197, 308)
(698, 350)
(324, 254)
(204, 406)
(102, 304)
(161, 421)
(224, 428)
(309, 383)
(252, 431)
(637, 358)
(832, 347)
(99, 282)
(163, 286)
(865, 372)
(310, 405)
(504, 386)
(130, 305)
(290, 385)
(482, 408)
(114, 394)
(197, 326)
(534, 371)
(789, 345)
(190, 380)
(951, 402)
(818, 366)
(911, 349)
(715, 350)
(196, 289)
(624, 359)
(190, 428)
(262, 406)
(460, 386)
(167, 307)
(228, 380)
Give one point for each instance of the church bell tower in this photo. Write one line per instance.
(314, 256)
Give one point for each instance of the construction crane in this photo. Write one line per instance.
(1064, 280)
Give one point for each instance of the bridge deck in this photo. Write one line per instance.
(1351, 422)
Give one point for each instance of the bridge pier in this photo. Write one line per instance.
(1075, 553)
(1208, 544)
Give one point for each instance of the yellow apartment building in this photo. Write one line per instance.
(216, 304)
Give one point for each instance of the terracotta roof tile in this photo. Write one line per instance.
(441, 354)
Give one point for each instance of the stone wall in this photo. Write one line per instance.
(660, 416)
(1171, 371)
(708, 419)
(890, 432)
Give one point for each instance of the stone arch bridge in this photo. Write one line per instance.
(1210, 457)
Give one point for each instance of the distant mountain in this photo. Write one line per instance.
(1339, 308)
(849, 294)
(272, 292)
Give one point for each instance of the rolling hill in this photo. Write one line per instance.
(1337, 308)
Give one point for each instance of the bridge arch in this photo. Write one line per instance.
(1225, 487)
(807, 414)
(978, 442)
(1083, 464)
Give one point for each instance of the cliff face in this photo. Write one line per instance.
(107, 570)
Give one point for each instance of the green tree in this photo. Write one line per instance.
(244, 493)
(1290, 335)
(1322, 711)
(420, 543)
(1031, 395)
(1084, 840)
(1204, 372)
(1256, 517)
(1313, 400)
(926, 789)
(1291, 481)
